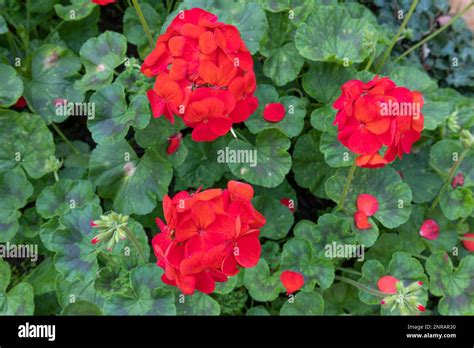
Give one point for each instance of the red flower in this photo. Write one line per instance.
(378, 115)
(20, 103)
(292, 281)
(207, 236)
(274, 112)
(388, 284)
(174, 142)
(103, 2)
(429, 229)
(367, 205)
(458, 180)
(204, 74)
(468, 244)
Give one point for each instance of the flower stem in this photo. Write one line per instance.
(56, 177)
(340, 205)
(362, 287)
(395, 38)
(135, 242)
(432, 35)
(351, 271)
(236, 134)
(452, 171)
(143, 22)
(66, 140)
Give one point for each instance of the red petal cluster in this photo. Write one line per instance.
(367, 205)
(207, 236)
(378, 114)
(204, 74)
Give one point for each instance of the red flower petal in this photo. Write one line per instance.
(429, 229)
(361, 221)
(274, 112)
(387, 284)
(367, 203)
(469, 244)
(292, 281)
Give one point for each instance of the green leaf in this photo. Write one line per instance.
(257, 311)
(81, 308)
(76, 33)
(275, 5)
(63, 196)
(262, 285)
(310, 170)
(413, 79)
(54, 69)
(455, 285)
(15, 191)
(409, 233)
(3, 26)
(282, 29)
(246, 15)
(445, 153)
(298, 255)
(323, 81)
(417, 173)
(273, 161)
(330, 34)
(342, 298)
(17, 301)
(202, 166)
(113, 117)
(335, 154)
(330, 229)
(279, 217)
(198, 304)
(26, 142)
(387, 245)
(158, 132)
(132, 27)
(76, 257)
(70, 292)
(135, 185)
(12, 86)
(295, 109)
(79, 9)
(100, 56)
(283, 64)
(457, 203)
(394, 196)
(402, 266)
(148, 296)
(305, 303)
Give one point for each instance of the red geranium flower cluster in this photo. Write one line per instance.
(207, 236)
(376, 114)
(204, 74)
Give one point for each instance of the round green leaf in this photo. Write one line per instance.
(279, 217)
(135, 185)
(113, 117)
(132, 27)
(453, 284)
(393, 195)
(27, 143)
(283, 64)
(413, 78)
(330, 34)
(76, 257)
(257, 311)
(64, 195)
(309, 167)
(75, 291)
(295, 108)
(81, 308)
(335, 154)
(202, 166)
(262, 285)
(445, 153)
(304, 303)
(79, 9)
(198, 304)
(457, 203)
(272, 163)
(298, 255)
(18, 301)
(15, 191)
(100, 56)
(12, 86)
(54, 69)
(148, 295)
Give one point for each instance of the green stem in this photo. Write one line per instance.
(362, 287)
(395, 38)
(135, 242)
(452, 171)
(432, 35)
(420, 256)
(55, 29)
(237, 133)
(294, 89)
(371, 60)
(471, 239)
(351, 271)
(65, 139)
(56, 177)
(143, 22)
(340, 205)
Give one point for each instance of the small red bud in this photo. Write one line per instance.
(95, 240)
(421, 308)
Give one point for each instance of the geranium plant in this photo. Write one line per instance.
(244, 157)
